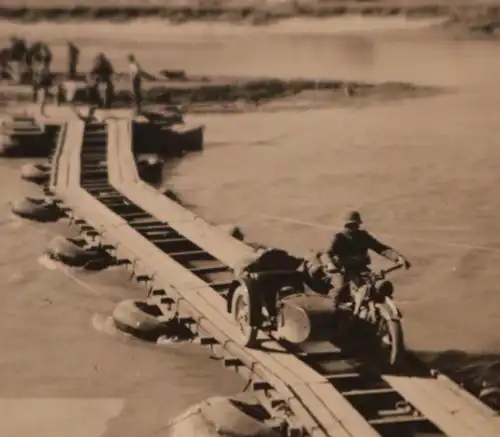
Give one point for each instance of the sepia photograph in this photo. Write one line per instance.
(250, 218)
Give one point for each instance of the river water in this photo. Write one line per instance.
(423, 172)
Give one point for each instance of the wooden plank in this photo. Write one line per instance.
(223, 247)
(131, 173)
(65, 164)
(74, 143)
(430, 407)
(346, 414)
(119, 138)
(114, 171)
(473, 402)
(57, 162)
(460, 410)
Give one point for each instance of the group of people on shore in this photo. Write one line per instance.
(32, 64)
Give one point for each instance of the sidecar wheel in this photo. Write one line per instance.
(241, 312)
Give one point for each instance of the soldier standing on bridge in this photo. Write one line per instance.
(136, 79)
(38, 61)
(18, 54)
(4, 63)
(73, 56)
(93, 97)
(39, 53)
(102, 72)
(42, 82)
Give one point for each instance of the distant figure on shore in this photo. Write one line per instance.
(39, 53)
(102, 72)
(136, 81)
(73, 57)
(38, 56)
(18, 52)
(30, 59)
(44, 55)
(42, 81)
(4, 63)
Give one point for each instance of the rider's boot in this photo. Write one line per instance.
(270, 324)
(339, 296)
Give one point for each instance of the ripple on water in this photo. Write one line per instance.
(104, 323)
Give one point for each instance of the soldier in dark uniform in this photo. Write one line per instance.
(136, 79)
(102, 71)
(45, 55)
(30, 55)
(42, 81)
(39, 53)
(349, 251)
(73, 56)
(18, 52)
(4, 63)
(38, 61)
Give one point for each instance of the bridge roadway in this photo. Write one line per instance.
(186, 263)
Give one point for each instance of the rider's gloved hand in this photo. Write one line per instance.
(404, 262)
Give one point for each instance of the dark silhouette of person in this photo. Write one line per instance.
(136, 79)
(73, 57)
(102, 71)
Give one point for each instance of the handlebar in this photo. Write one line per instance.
(379, 275)
(391, 269)
(384, 272)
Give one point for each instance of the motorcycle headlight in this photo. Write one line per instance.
(385, 289)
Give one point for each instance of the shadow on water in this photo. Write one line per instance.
(158, 174)
(474, 371)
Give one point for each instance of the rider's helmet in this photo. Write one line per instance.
(353, 218)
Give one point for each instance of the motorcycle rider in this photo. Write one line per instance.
(348, 254)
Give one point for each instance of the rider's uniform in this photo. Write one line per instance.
(349, 250)
(73, 55)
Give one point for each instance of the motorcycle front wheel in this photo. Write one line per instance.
(391, 341)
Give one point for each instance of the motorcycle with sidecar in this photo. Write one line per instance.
(280, 303)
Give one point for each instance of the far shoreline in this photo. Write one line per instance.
(151, 29)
